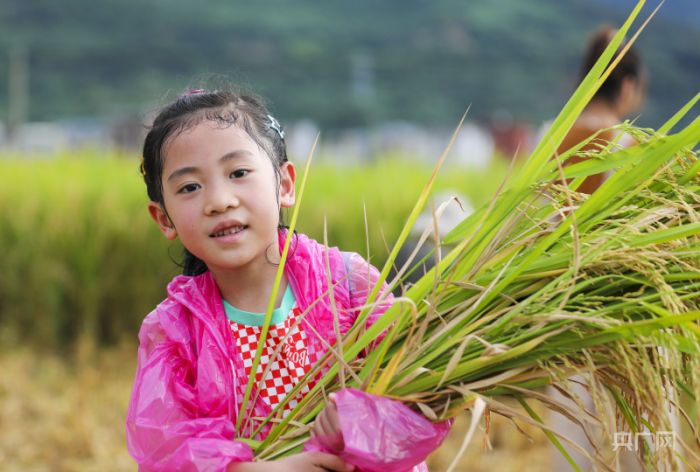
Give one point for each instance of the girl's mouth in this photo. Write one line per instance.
(228, 231)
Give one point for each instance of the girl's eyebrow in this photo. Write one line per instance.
(223, 159)
(233, 155)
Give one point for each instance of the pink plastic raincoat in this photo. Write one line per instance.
(190, 378)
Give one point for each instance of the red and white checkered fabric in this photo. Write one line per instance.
(287, 367)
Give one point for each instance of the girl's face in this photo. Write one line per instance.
(221, 196)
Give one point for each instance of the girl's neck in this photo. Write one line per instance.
(604, 110)
(249, 288)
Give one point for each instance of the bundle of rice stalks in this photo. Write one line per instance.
(542, 284)
(563, 284)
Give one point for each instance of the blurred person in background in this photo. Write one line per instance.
(620, 95)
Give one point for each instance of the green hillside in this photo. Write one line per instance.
(340, 63)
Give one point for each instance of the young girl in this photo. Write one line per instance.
(217, 175)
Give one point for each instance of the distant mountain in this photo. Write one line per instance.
(337, 62)
(680, 11)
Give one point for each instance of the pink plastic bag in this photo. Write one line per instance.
(382, 435)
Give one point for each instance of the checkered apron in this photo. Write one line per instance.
(287, 367)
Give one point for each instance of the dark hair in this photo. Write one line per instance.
(226, 108)
(628, 67)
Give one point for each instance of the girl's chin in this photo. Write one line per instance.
(238, 263)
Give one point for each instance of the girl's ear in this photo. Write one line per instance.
(161, 217)
(288, 178)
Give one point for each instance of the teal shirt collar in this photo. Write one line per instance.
(257, 319)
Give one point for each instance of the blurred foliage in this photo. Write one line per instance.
(83, 260)
(339, 63)
(80, 255)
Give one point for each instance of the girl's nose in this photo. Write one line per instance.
(220, 199)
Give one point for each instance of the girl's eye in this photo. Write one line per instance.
(238, 173)
(189, 188)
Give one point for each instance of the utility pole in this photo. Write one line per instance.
(18, 99)
(362, 77)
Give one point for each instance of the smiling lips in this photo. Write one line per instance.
(226, 229)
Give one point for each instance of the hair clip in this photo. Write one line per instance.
(274, 124)
(193, 92)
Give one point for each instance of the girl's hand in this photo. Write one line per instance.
(327, 427)
(306, 461)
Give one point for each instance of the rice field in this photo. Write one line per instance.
(605, 285)
(67, 379)
(75, 229)
(99, 264)
(77, 234)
